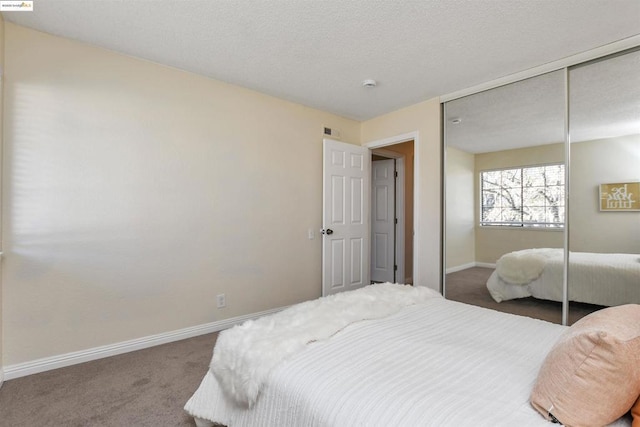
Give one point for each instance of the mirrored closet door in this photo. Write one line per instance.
(504, 197)
(604, 220)
(528, 229)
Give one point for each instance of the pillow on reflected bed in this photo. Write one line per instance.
(591, 376)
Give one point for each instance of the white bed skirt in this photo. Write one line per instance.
(202, 423)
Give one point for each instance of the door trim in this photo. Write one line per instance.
(398, 139)
(400, 226)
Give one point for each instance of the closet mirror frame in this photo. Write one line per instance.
(566, 65)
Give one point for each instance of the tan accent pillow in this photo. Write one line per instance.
(591, 376)
(635, 411)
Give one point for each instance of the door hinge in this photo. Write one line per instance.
(396, 220)
(396, 174)
(395, 268)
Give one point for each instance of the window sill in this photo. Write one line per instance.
(500, 227)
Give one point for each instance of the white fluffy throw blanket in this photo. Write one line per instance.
(522, 267)
(245, 354)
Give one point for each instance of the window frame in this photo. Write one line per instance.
(522, 225)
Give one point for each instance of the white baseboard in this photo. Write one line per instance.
(460, 267)
(469, 265)
(54, 362)
(485, 264)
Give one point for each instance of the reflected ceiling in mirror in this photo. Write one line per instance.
(521, 114)
(605, 98)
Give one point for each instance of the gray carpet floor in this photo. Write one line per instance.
(150, 387)
(142, 388)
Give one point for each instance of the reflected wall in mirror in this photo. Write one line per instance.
(604, 120)
(504, 199)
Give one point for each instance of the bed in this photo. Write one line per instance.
(595, 278)
(434, 362)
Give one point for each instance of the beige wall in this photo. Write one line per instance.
(594, 163)
(423, 118)
(493, 242)
(461, 207)
(135, 193)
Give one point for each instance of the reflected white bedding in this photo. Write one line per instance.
(602, 279)
(438, 363)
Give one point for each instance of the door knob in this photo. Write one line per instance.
(327, 231)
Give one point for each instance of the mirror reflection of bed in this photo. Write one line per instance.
(529, 282)
(470, 286)
(505, 183)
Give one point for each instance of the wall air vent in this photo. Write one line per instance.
(332, 133)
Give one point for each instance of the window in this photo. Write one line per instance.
(523, 197)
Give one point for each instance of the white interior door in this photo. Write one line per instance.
(383, 221)
(345, 217)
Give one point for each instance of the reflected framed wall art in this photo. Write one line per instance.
(620, 196)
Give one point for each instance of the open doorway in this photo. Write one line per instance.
(392, 200)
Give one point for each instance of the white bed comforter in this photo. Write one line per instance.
(439, 363)
(245, 354)
(594, 278)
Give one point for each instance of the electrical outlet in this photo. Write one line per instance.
(222, 300)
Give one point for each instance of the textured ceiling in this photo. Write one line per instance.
(318, 52)
(522, 114)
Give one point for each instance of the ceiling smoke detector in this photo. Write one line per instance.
(369, 83)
